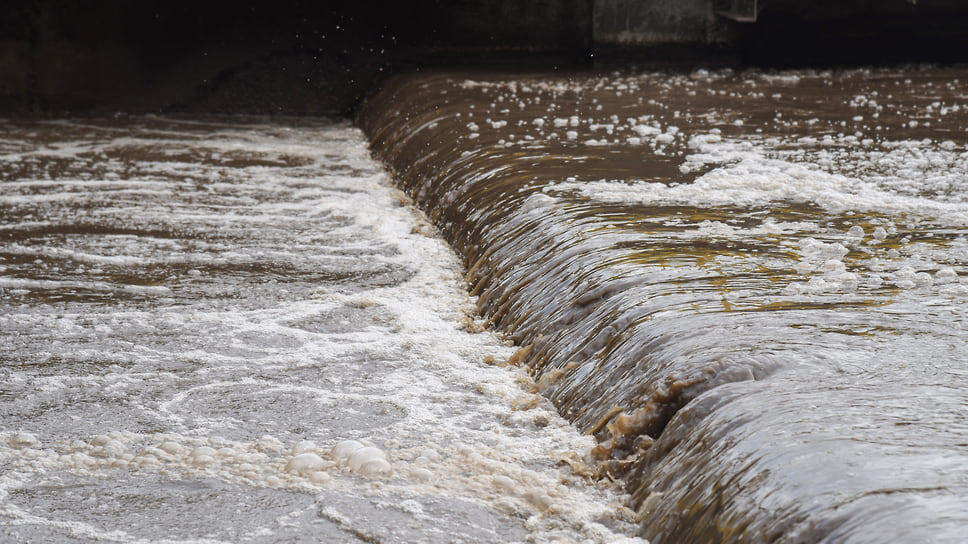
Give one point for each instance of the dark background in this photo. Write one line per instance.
(95, 57)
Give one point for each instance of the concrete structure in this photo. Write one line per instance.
(657, 22)
(265, 56)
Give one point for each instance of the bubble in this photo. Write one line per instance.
(342, 451)
(364, 455)
(503, 482)
(422, 474)
(203, 456)
(538, 499)
(946, 275)
(320, 477)
(833, 265)
(303, 446)
(855, 234)
(269, 443)
(113, 448)
(430, 454)
(376, 467)
(923, 279)
(203, 460)
(80, 460)
(173, 448)
(23, 440)
(305, 464)
(203, 450)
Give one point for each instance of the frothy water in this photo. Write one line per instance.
(235, 330)
(750, 287)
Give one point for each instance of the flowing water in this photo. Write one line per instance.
(235, 330)
(749, 286)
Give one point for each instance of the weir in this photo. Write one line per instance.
(755, 308)
(727, 239)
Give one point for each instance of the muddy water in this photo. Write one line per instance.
(750, 287)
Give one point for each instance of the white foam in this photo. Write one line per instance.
(305, 464)
(420, 414)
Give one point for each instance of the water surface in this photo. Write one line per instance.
(201, 318)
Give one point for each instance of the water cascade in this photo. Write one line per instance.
(749, 286)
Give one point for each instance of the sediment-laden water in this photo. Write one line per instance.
(750, 287)
(235, 330)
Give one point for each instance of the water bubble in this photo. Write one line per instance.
(375, 467)
(422, 474)
(305, 464)
(23, 440)
(503, 482)
(946, 275)
(855, 235)
(364, 455)
(342, 451)
(303, 446)
(171, 448)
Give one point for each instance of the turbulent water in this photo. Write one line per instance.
(749, 286)
(235, 330)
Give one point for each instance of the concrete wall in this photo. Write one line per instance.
(321, 57)
(632, 23)
(302, 57)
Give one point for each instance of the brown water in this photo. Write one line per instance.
(749, 286)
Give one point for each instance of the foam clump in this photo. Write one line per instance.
(854, 235)
(269, 443)
(422, 474)
(908, 278)
(23, 440)
(111, 448)
(203, 455)
(537, 201)
(78, 460)
(812, 247)
(172, 448)
(369, 461)
(303, 446)
(429, 455)
(376, 467)
(833, 265)
(305, 464)
(945, 275)
(342, 451)
(364, 455)
(503, 482)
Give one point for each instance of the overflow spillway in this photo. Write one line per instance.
(749, 286)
